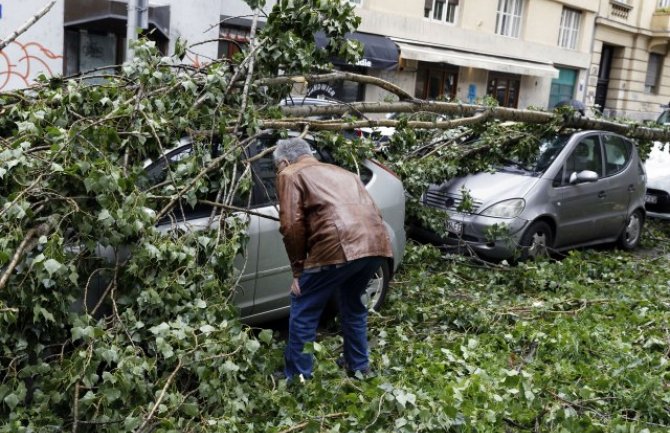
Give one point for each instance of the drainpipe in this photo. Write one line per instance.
(131, 28)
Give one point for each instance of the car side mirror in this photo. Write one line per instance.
(583, 177)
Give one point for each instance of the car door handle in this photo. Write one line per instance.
(602, 194)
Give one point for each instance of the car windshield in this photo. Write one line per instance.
(664, 117)
(547, 151)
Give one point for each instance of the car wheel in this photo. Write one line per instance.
(375, 293)
(632, 232)
(537, 241)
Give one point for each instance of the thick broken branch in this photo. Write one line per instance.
(467, 110)
(11, 38)
(339, 125)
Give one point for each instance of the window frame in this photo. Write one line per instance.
(508, 18)
(654, 73)
(568, 31)
(449, 9)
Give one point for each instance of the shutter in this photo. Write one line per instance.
(428, 4)
(453, 2)
(653, 69)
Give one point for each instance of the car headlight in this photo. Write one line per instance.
(505, 209)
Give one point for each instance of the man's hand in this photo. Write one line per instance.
(295, 287)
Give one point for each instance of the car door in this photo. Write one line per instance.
(581, 205)
(185, 218)
(273, 272)
(618, 183)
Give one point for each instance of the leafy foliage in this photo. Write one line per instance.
(110, 324)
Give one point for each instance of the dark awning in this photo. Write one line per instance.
(379, 52)
(91, 14)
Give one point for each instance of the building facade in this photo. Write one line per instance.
(629, 75)
(611, 54)
(521, 52)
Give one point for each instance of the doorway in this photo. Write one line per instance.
(604, 76)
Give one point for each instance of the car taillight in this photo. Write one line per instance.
(385, 168)
(358, 132)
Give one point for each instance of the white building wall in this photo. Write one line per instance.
(37, 51)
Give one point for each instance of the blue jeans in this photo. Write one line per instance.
(316, 288)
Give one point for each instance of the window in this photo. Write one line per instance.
(87, 51)
(586, 156)
(233, 40)
(664, 4)
(617, 153)
(504, 88)
(563, 87)
(441, 10)
(508, 20)
(569, 30)
(654, 67)
(436, 83)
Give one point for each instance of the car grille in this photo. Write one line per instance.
(447, 201)
(662, 204)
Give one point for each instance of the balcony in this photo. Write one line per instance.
(619, 10)
(660, 21)
(660, 28)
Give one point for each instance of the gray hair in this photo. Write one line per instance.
(291, 149)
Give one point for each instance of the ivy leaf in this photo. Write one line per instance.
(11, 400)
(52, 266)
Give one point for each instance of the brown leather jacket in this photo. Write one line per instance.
(327, 217)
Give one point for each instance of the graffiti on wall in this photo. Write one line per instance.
(20, 63)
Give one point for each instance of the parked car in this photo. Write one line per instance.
(579, 189)
(657, 199)
(267, 276)
(657, 165)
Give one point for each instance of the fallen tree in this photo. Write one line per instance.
(145, 338)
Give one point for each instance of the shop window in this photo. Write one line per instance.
(508, 18)
(436, 83)
(563, 87)
(505, 89)
(88, 51)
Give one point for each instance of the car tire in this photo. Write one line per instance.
(630, 236)
(375, 294)
(537, 241)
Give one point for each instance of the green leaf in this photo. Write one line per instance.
(53, 266)
(11, 400)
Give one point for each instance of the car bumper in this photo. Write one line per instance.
(492, 238)
(657, 203)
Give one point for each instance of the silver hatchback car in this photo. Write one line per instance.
(265, 272)
(579, 189)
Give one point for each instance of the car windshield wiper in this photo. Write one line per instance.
(515, 164)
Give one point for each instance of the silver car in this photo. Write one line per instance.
(579, 189)
(265, 272)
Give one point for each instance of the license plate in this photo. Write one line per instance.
(651, 199)
(455, 227)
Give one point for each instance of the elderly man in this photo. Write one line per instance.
(336, 240)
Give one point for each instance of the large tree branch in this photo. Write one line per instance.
(467, 110)
(11, 38)
(341, 125)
